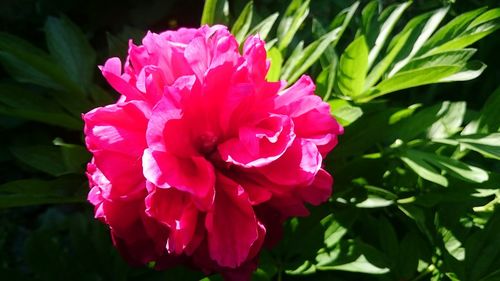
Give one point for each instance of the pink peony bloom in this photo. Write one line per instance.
(201, 159)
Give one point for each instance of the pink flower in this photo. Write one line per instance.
(201, 159)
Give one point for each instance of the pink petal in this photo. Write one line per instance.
(260, 145)
(297, 166)
(194, 175)
(319, 191)
(231, 225)
(254, 52)
(174, 209)
(118, 127)
(124, 174)
(112, 72)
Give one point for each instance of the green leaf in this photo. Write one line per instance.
(361, 264)
(28, 64)
(374, 201)
(448, 123)
(334, 231)
(292, 19)
(480, 27)
(19, 102)
(264, 27)
(394, 14)
(454, 167)
(71, 49)
(408, 256)
(356, 257)
(417, 124)
(28, 192)
(276, 59)
(422, 27)
(381, 67)
(424, 170)
(214, 11)
(403, 113)
(452, 244)
(488, 120)
(388, 239)
(49, 159)
(75, 156)
(242, 24)
(353, 68)
(452, 29)
(471, 70)
(342, 20)
(483, 250)
(294, 68)
(486, 144)
(412, 78)
(294, 57)
(369, 22)
(344, 112)
(455, 57)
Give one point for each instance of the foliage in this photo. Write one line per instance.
(417, 177)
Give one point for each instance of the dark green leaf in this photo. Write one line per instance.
(69, 46)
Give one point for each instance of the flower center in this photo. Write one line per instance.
(207, 142)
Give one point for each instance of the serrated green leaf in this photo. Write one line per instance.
(353, 68)
(292, 19)
(242, 24)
